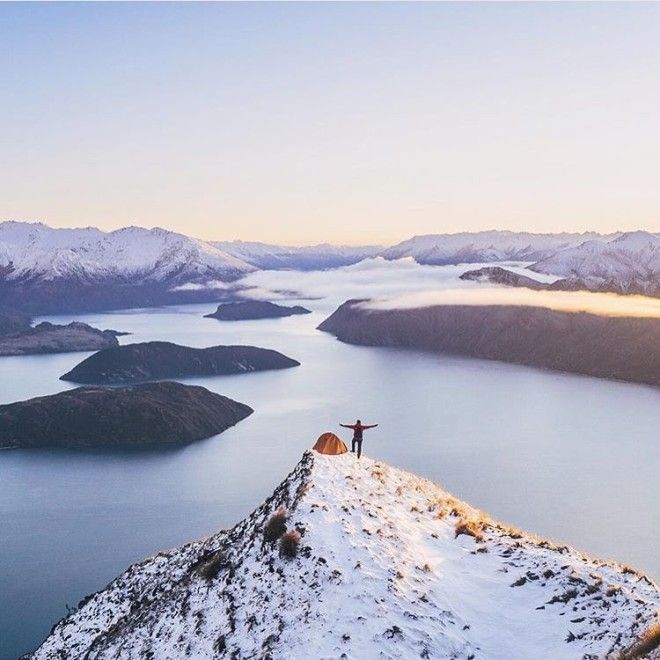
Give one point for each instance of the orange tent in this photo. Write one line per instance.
(329, 443)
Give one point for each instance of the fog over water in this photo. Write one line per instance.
(569, 457)
(371, 278)
(601, 304)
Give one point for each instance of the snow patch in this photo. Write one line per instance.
(384, 569)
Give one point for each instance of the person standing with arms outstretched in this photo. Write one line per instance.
(358, 427)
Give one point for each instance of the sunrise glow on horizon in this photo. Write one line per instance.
(348, 123)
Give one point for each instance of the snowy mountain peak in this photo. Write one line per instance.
(312, 257)
(637, 238)
(484, 246)
(38, 253)
(627, 263)
(355, 558)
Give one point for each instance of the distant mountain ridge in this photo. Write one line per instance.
(313, 257)
(629, 263)
(45, 270)
(485, 246)
(34, 252)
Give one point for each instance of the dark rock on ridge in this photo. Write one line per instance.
(499, 275)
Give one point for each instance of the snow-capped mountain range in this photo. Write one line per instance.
(485, 246)
(34, 252)
(627, 263)
(314, 257)
(46, 270)
(388, 565)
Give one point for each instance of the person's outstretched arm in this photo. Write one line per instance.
(370, 426)
(347, 426)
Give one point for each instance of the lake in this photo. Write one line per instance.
(568, 457)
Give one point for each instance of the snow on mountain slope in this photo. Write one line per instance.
(312, 257)
(630, 259)
(35, 252)
(382, 570)
(485, 246)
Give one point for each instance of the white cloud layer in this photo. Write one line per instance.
(603, 304)
(404, 284)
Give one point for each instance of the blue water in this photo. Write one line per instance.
(573, 458)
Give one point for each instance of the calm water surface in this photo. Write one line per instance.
(573, 458)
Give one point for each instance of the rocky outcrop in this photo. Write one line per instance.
(157, 360)
(359, 559)
(499, 275)
(254, 309)
(154, 414)
(50, 338)
(622, 348)
(622, 286)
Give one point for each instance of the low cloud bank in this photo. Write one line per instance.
(203, 286)
(405, 284)
(371, 278)
(603, 304)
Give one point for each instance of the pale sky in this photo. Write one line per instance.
(356, 123)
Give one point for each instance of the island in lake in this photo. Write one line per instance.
(22, 339)
(622, 348)
(154, 414)
(50, 338)
(250, 310)
(157, 360)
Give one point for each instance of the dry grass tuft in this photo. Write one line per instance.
(289, 544)
(276, 525)
(211, 567)
(647, 643)
(471, 528)
(379, 474)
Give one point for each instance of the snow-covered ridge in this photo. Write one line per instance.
(313, 257)
(389, 565)
(34, 252)
(630, 262)
(485, 246)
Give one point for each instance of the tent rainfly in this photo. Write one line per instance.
(329, 443)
